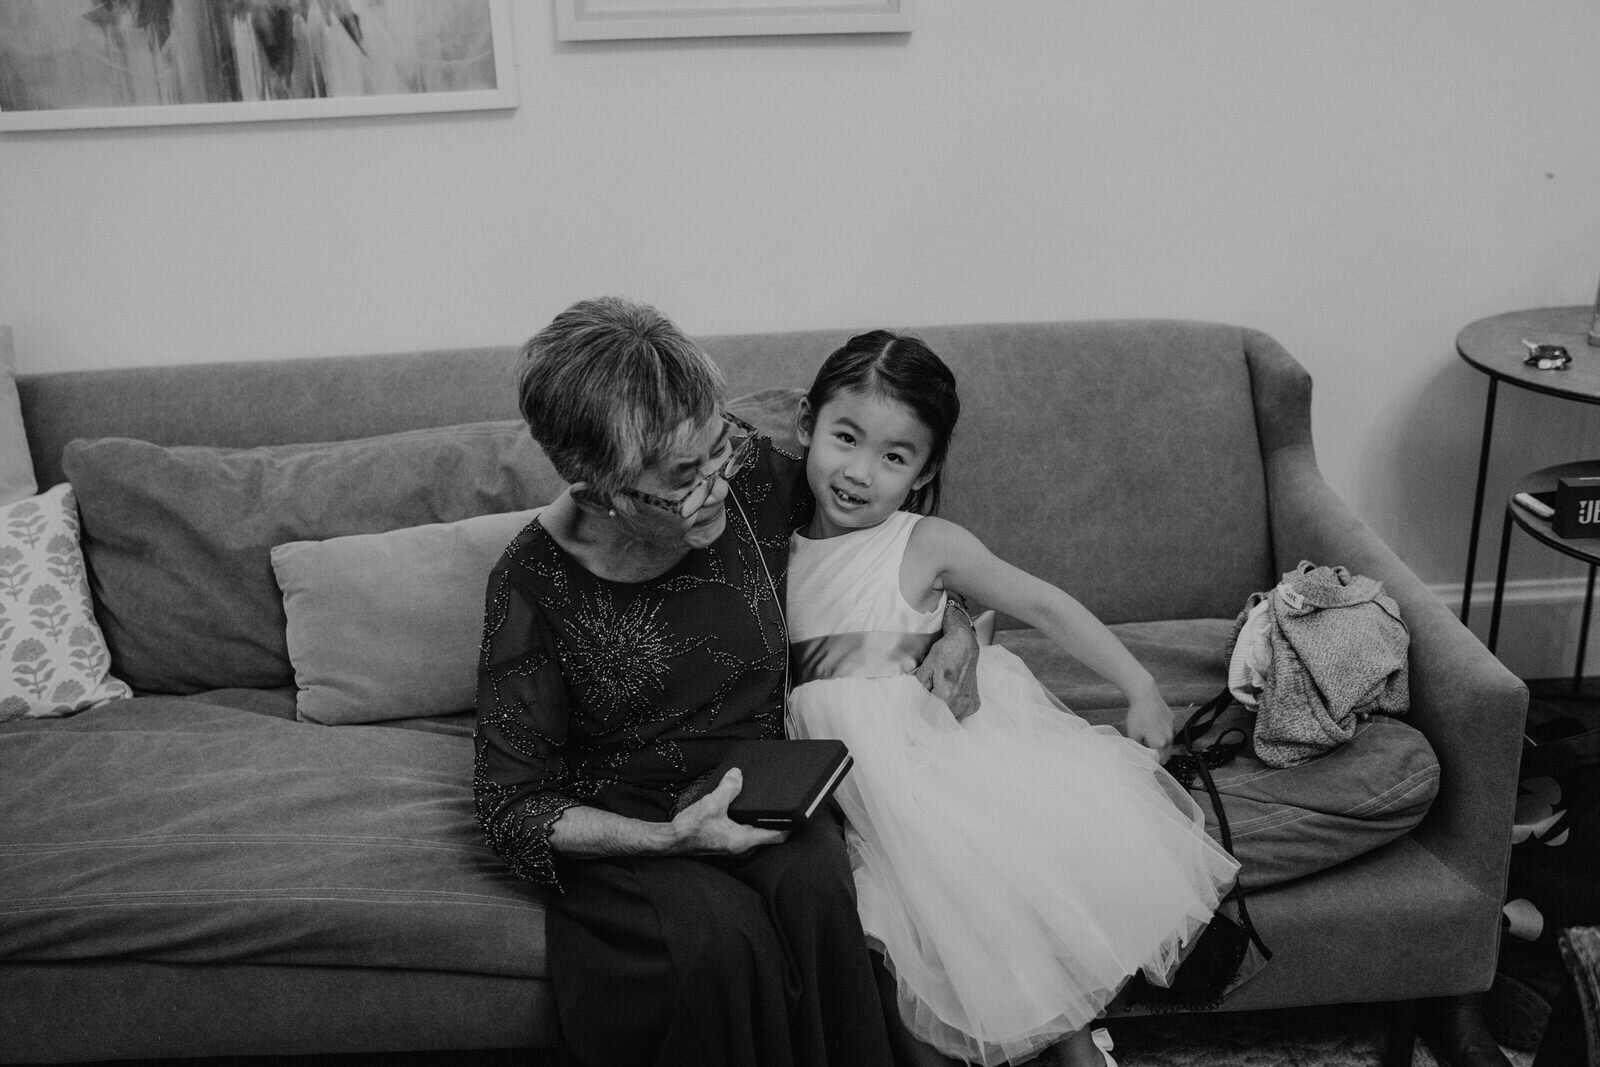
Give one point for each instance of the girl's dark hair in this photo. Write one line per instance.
(902, 368)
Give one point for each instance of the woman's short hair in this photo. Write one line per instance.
(607, 387)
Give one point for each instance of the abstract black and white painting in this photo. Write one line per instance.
(75, 63)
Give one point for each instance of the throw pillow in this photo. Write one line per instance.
(53, 658)
(388, 626)
(178, 539)
(16, 468)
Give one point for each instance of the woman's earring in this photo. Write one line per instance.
(611, 513)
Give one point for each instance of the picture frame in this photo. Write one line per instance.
(341, 58)
(610, 20)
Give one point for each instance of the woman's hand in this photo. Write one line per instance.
(1150, 721)
(704, 829)
(950, 669)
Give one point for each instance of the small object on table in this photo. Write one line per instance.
(1544, 486)
(1535, 505)
(1546, 356)
(1578, 506)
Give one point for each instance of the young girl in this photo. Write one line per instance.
(1015, 868)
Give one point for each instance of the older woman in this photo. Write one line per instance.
(634, 631)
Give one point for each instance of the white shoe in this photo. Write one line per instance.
(1102, 1041)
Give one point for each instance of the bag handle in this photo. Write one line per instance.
(1196, 727)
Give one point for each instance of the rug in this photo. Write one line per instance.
(1346, 1035)
(1350, 1035)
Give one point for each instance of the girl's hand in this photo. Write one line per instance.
(704, 829)
(1150, 722)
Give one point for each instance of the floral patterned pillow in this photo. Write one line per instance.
(53, 658)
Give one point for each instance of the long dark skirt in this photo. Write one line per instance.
(717, 963)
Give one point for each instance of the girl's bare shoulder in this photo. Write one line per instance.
(938, 542)
(936, 528)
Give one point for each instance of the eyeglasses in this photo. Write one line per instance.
(742, 436)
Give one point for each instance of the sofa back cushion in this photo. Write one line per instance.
(178, 539)
(386, 626)
(1117, 459)
(1119, 462)
(266, 402)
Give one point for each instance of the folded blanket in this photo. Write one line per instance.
(1338, 654)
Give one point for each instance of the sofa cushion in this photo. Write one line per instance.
(1289, 822)
(53, 658)
(178, 538)
(388, 625)
(219, 835)
(1187, 656)
(1069, 431)
(1286, 822)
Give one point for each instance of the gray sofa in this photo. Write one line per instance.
(200, 871)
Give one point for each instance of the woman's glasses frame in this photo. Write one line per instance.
(693, 498)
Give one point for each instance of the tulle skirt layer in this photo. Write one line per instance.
(1015, 868)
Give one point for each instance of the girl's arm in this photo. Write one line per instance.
(943, 556)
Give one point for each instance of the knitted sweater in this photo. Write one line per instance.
(1338, 655)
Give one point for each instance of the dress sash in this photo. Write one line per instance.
(868, 654)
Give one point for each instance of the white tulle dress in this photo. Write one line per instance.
(1014, 868)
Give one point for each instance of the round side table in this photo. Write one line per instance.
(1494, 346)
(1542, 530)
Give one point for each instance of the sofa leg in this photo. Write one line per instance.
(1457, 1031)
(1402, 1034)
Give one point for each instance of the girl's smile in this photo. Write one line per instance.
(866, 454)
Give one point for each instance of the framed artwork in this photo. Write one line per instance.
(603, 20)
(81, 63)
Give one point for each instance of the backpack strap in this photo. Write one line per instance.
(1196, 727)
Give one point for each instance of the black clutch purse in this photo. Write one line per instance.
(785, 782)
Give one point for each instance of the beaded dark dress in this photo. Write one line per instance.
(619, 696)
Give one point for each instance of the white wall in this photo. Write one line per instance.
(1359, 178)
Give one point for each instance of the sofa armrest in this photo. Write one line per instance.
(1462, 698)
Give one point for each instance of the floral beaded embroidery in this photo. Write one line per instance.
(586, 684)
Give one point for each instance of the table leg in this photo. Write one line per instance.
(1477, 501)
(1583, 635)
(1500, 580)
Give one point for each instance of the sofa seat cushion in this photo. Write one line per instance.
(1287, 822)
(1187, 656)
(215, 834)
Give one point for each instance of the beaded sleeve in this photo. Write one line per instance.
(520, 783)
(590, 692)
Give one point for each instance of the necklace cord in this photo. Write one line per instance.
(788, 721)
